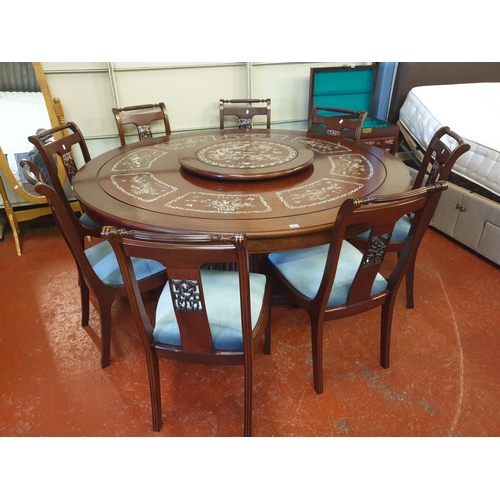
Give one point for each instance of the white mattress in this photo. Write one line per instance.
(472, 110)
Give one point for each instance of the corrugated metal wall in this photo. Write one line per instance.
(18, 77)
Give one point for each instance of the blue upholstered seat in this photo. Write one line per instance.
(85, 219)
(304, 269)
(400, 233)
(102, 258)
(222, 299)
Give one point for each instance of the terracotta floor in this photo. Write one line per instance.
(444, 379)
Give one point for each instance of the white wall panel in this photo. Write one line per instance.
(171, 65)
(86, 99)
(190, 94)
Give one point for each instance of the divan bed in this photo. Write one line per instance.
(469, 211)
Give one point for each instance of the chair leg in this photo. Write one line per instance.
(85, 300)
(18, 243)
(317, 354)
(385, 331)
(267, 335)
(154, 387)
(247, 427)
(105, 314)
(409, 278)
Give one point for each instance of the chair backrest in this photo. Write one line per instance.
(440, 157)
(380, 213)
(244, 110)
(183, 255)
(339, 122)
(61, 147)
(141, 117)
(70, 227)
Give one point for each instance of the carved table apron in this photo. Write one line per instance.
(281, 188)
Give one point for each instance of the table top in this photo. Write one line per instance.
(281, 188)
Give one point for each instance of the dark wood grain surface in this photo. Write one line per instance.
(143, 185)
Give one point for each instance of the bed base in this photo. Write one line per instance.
(411, 149)
(471, 218)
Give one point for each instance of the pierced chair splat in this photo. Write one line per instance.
(202, 315)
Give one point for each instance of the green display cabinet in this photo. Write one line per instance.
(353, 87)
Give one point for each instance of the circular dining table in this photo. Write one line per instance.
(281, 188)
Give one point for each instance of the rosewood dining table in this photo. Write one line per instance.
(281, 188)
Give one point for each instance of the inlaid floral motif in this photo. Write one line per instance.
(318, 193)
(140, 159)
(220, 203)
(254, 136)
(185, 142)
(246, 154)
(320, 146)
(143, 186)
(351, 165)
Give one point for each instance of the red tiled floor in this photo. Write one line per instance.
(444, 378)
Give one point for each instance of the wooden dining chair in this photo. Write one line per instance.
(139, 118)
(443, 151)
(337, 280)
(340, 122)
(65, 138)
(244, 110)
(202, 315)
(97, 267)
